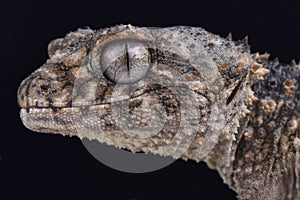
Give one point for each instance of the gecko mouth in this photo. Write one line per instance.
(55, 109)
(140, 104)
(137, 95)
(78, 104)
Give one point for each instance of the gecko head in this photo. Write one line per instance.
(65, 80)
(137, 88)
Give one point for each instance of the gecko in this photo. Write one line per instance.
(175, 91)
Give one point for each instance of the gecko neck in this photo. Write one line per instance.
(267, 145)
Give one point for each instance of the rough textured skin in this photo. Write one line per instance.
(180, 92)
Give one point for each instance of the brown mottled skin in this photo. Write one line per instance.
(241, 111)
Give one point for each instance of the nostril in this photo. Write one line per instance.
(44, 87)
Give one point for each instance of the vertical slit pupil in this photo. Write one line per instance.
(127, 57)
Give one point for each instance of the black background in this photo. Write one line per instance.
(40, 166)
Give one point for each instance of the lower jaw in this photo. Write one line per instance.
(59, 120)
(49, 120)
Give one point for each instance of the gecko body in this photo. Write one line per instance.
(176, 91)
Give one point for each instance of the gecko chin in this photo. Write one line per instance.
(46, 120)
(55, 120)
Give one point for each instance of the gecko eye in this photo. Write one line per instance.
(126, 61)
